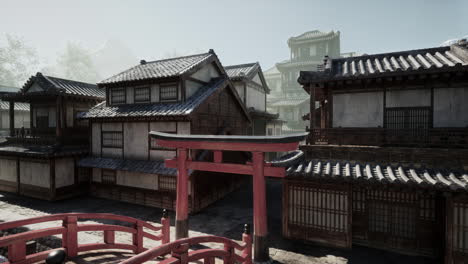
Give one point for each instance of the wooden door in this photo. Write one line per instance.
(317, 212)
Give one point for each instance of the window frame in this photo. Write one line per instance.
(141, 88)
(112, 145)
(124, 95)
(166, 85)
(107, 171)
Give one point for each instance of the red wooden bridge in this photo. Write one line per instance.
(177, 252)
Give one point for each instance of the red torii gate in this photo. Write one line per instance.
(258, 145)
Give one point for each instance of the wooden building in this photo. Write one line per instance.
(387, 162)
(21, 112)
(183, 95)
(41, 161)
(252, 88)
(306, 54)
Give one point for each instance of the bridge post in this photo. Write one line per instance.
(182, 196)
(261, 253)
(166, 227)
(70, 223)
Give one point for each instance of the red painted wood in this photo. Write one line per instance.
(182, 188)
(166, 232)
(247, 252)
(71, 236)
(69, 231)
(277, 172)
(259, 195)
(17, 251)
(218, 156)
(226, 146)
(109, 237)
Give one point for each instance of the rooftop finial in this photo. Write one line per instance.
(211, 51)
(142, 62)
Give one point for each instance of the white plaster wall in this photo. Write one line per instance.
(163, 126)
(35, 173)
(255, 99)
(5, 120)
(135, 179)
(240, 91)
(112, 152)
(257, 79)
(451, 107)
(64, 172)
(409, 98)
(96, 175)
(358, 109)
(111, 126)
(8, 170)
(161, 155)
(183, 128)
(206, 73)
(136, 140)
(154, 93)
(191, 87)
(96, 139)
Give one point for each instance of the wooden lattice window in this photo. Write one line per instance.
(108, 176)
(112, 139)
(460, 227)
(168, 92)
(167, 182)
(84, 174)
(118, 96)
(142, 94)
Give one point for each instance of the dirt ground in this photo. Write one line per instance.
(224, 218)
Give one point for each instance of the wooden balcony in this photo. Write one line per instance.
(47, 136)
(433, 137)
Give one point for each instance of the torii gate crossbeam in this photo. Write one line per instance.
(258, 145)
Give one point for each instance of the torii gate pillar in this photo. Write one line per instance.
(258, 145)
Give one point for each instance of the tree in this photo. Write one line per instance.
(76, 63)
(18, 61)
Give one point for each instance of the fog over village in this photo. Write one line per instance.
(303, 131)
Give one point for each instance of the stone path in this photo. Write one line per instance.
(224, 218)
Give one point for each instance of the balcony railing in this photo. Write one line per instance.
(434, 137)
(47, 136)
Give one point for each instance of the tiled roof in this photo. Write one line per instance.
(160, 68)
(18, 106)
(414, 61)
(262, 114)
(143, 166)
(378, 173)
(57, 85)
(42, 151)
(8, 89)
(314, 35)
(242, 70)
(272, 71)
(156, 109)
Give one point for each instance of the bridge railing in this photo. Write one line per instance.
(69, 229)
(179, 251)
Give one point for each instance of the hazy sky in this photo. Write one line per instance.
(239, 31)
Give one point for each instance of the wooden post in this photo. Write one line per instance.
(109, 237)
(52, 185)
(71, 241)
(448, 229)
(12, 119)
(182, 196)
(261, 253)
(166, 225)
(17, 252)
(58, 120)
(181, 253)
(247, 239)
(312, 114)
(138, 237)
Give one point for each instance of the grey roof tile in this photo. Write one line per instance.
(142, 166)
(159, 69)
(156, 109)
(236, 72)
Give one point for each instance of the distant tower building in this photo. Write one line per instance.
(306, 52)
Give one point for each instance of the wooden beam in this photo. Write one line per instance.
(277, 172)
(229, 146)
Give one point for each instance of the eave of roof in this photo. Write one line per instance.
(142, 166)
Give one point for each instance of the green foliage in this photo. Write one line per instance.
(18, 61)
